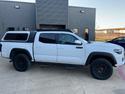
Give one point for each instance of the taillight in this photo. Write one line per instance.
(0, 47)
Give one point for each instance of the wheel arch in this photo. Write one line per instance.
(105, 55)
(17, 51)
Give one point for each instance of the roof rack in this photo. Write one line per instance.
(67, 30)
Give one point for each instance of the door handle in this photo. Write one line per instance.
(60, 47)
(79, 47)
(39, 46)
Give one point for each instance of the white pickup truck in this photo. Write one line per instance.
(60, 47)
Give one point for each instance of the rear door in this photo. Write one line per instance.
(45, 47)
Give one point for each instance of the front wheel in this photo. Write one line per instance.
(101, 69)
(21, 62)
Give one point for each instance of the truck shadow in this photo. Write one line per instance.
(60, 70)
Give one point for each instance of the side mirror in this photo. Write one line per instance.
(77, 42)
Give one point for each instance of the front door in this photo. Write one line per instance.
(45, 48)
(68, 52)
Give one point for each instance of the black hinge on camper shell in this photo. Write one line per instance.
(0, 47)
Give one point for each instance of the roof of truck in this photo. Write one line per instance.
(58, 30)
(41, 30)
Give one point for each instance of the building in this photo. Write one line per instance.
(111, 30)
(46, 14)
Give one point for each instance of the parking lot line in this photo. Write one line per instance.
(120, 71)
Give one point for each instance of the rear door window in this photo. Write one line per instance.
(47, 38)
(16, 36)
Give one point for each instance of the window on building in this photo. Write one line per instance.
(67, 39)
(86, 34)
(87, 30)
(10, 29)
(25, 29)
(47, 38)
(76, 30)
(16, 36)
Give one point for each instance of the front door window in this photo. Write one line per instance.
(67, 39)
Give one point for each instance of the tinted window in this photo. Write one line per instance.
(123, 39)
(118, 39)
(67, 39)
(19, 36)
(47, 38)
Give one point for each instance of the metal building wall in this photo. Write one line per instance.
(11, 17)
(82, 21)
(52, 12)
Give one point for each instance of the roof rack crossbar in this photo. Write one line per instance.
(67, 30)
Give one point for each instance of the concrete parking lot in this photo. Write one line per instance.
(56, 80)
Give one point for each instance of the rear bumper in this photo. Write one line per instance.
(0, 54)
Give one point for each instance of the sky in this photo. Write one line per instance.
(109, 13)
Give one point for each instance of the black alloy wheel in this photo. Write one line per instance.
(101, 69)
(21, 62)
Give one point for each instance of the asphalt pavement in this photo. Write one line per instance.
(56, 80)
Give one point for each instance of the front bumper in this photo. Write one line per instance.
(123, 63)
(120, 60)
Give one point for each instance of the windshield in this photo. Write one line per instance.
(81, 38)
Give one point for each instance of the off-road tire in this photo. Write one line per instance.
(21, 62)
(101, 69)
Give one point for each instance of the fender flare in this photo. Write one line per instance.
(100, 54)
(16, 51)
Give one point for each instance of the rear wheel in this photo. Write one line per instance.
(101, 69)
(21, 62)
